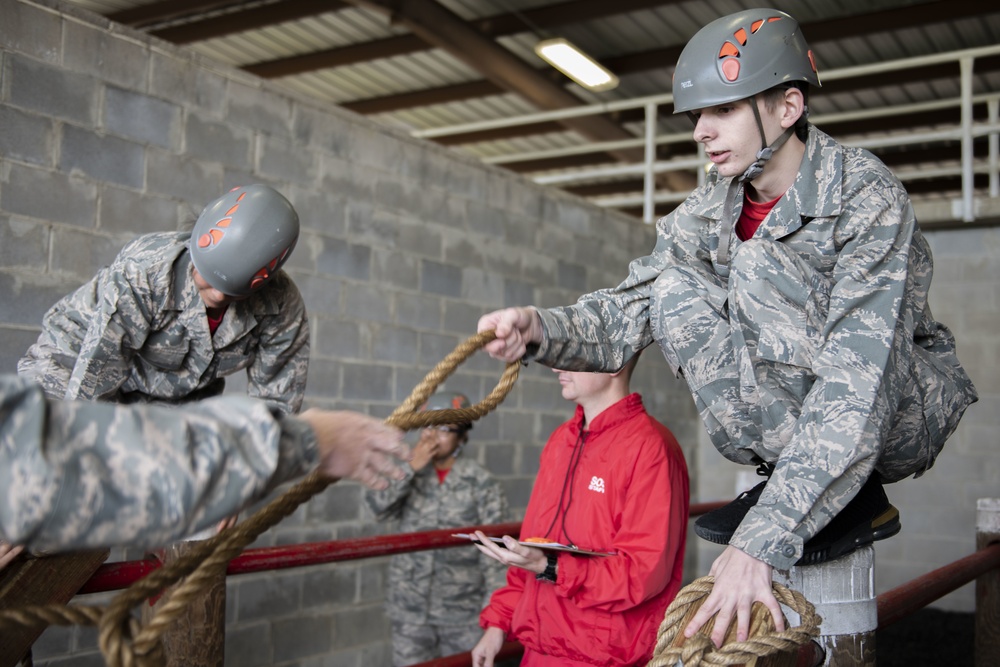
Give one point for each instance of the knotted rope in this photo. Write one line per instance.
(699, 651)
(125, 643)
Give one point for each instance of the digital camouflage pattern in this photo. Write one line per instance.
(442, 586)
(138, 332)
(85, 475)
(814, 349)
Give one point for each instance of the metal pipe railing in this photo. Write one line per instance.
(116, 576)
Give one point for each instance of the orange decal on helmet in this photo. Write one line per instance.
(812, 60)
(755, 26)
(731, 69)
(728, 49)
(456, 402)
(741, 36)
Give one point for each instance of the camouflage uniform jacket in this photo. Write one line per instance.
(79, 474)
(138, 332)
(851, 220)
(441, 586)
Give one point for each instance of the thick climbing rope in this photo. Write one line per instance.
(699, 651)
(124, 642)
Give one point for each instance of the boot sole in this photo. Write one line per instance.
(882, 527)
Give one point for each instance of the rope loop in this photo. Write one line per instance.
(699, 650)
(124, 642)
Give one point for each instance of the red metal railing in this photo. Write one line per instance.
(116, 576)
(914, 595)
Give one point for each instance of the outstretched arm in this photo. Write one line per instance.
(85, 475)
(516, 329)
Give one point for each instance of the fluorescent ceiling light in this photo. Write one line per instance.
(575, 64)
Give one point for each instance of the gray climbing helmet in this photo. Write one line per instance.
(449, 400)
(740, 55)
(242, 238)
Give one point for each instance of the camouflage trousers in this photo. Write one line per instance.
(746, 350)
(413, 643)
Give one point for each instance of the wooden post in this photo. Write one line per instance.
(843, 592)
(198, 637)
(987, 642)
(41, 580)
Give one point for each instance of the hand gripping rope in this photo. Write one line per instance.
(126, 643)
(698, 650)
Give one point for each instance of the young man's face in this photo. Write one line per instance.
(445, 440)
(212, 297)
(730, 134)
(578, 386)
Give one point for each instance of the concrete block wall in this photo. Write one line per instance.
(106, 134)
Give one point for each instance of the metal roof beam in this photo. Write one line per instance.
(439, 26)
(251, 18)
(856, 26)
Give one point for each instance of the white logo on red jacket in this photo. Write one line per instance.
(596, 484)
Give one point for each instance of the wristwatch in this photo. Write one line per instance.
(549, 573)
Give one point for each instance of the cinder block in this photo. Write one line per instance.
(26, 297)
(217, 141)
(283, 160)
(249, 645)
(29, 30)
(269, 596)
(518, 293)
(259, 109)
(539, 268)
(322, 130)
(183, 177)
(395, 268)
(434, 347)
(124, 211)
(301, 637)
(365, 301)
(23, 243)
(51, 91)
(572, 276)
(338, 503)
(324, 377)
(391, 343)
(13, 344)
(420, 238)
(367, 382)
(102, 157)
(341, 258)
(375, 225)
(137, 116)
(334, 585)
(359, 625)
(94, 51)
(438, 278)
(321, 210)
(79, 252)
(339, 340)
(49, 195)
(184, 82)
(482, 287)
(25, 136)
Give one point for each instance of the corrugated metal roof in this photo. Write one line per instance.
(627, 32)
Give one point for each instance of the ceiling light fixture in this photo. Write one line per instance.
(576, 64)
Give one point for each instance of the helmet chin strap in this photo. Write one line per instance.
(735, 191)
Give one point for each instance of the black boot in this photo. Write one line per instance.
(719, 525)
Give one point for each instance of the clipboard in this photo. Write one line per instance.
(547, 546)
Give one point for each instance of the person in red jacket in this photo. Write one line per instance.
(611, 479)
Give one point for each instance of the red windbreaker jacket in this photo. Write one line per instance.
(627, 493)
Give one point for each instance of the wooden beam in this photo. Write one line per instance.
(39, 581)
(259, 16)
(165, 10)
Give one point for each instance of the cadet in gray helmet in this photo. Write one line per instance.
(177, 312)
(790, 293)
(433, 598)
